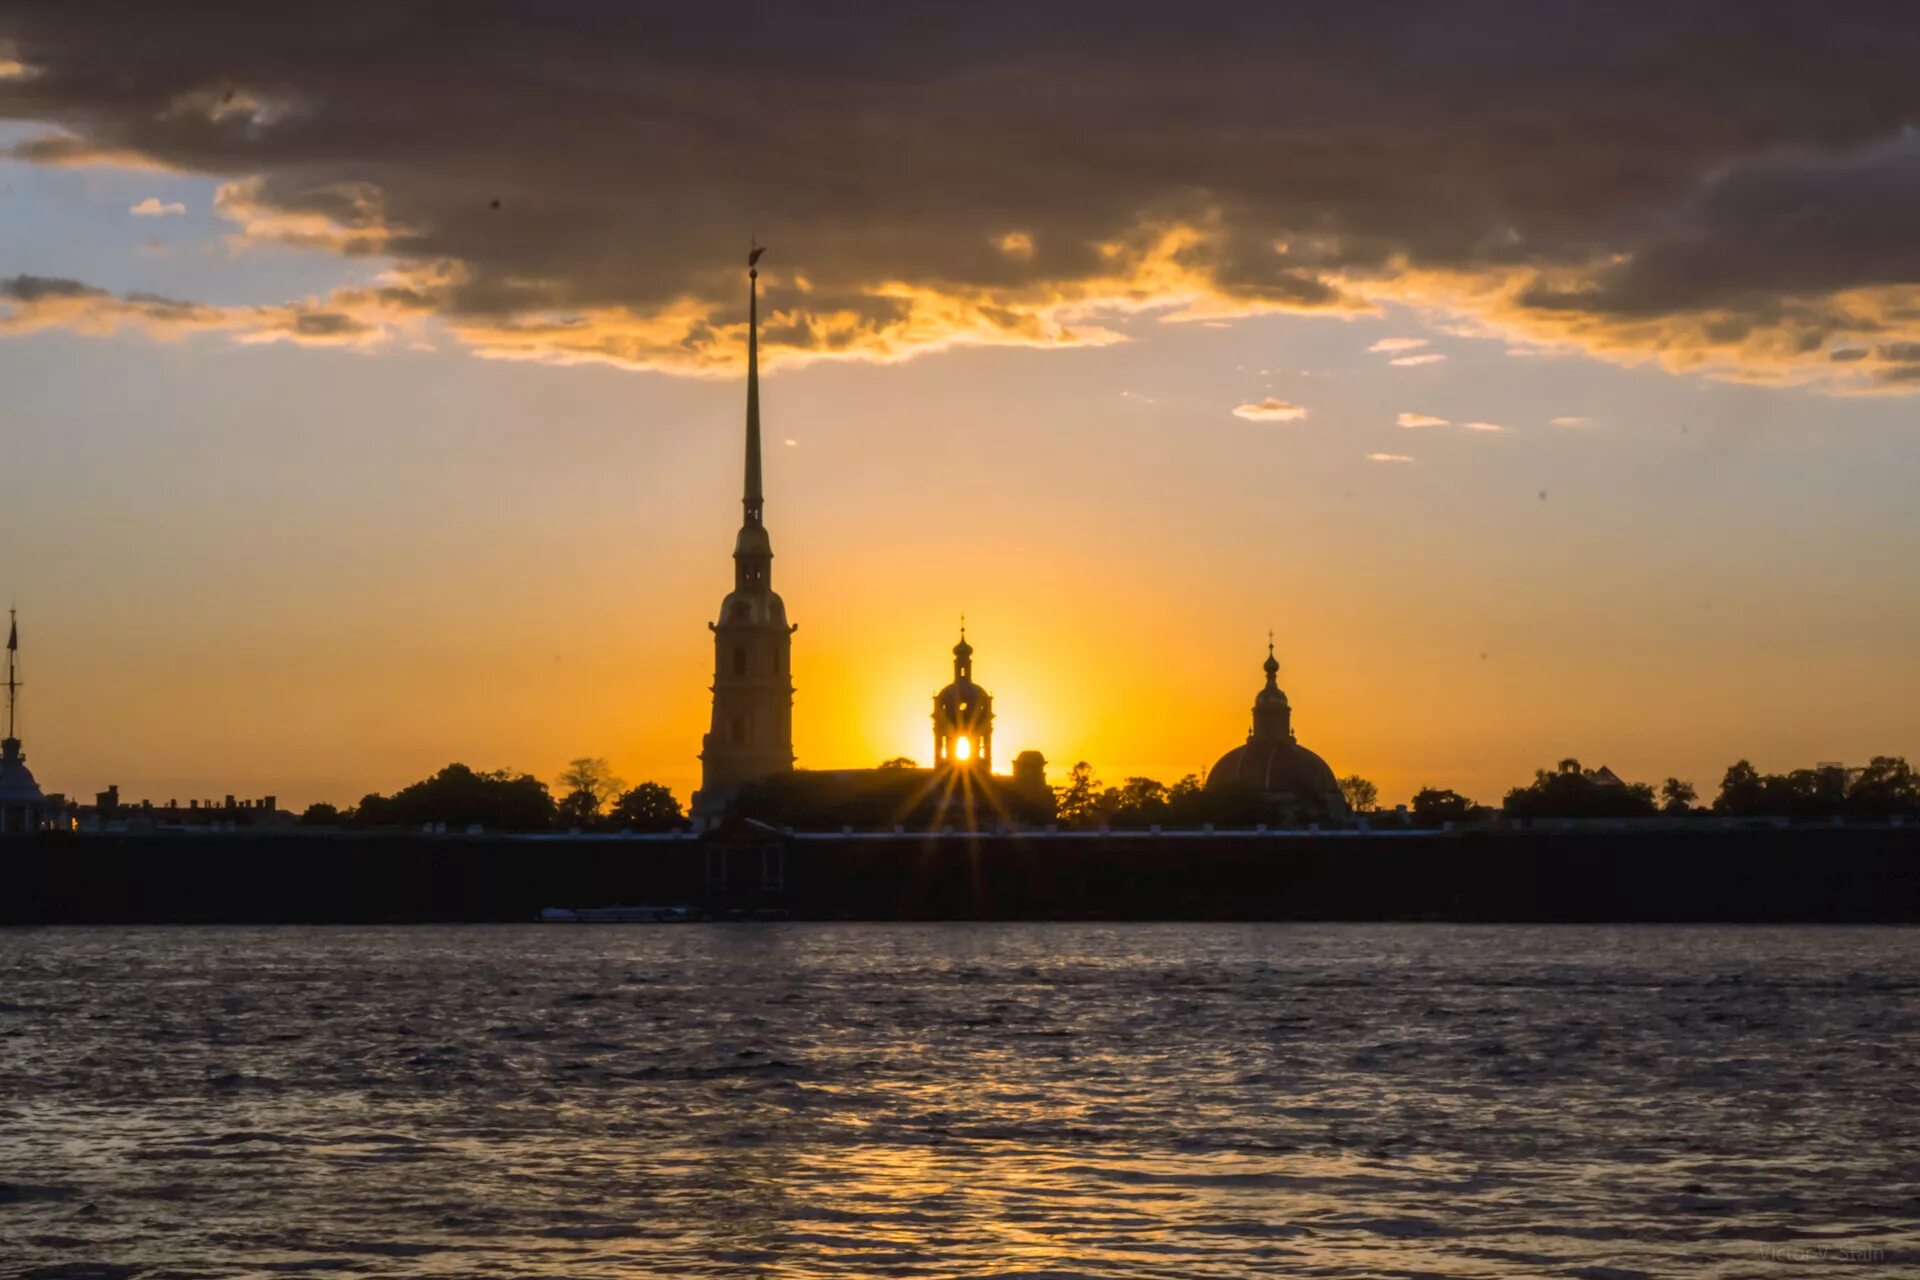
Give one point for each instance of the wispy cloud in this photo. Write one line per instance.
(1398, 344)
(1420, 420)
(1389, 457)
(359, 317)
(1270, 410)
(1572, 420)
(152, 207)
(1481, 426)
(1430, 357)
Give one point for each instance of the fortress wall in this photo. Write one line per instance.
(1757, 875)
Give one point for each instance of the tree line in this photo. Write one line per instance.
(594, 798)
(1886, 787)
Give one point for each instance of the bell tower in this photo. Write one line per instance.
(963, 716)
(751, 733)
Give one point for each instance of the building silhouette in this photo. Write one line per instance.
(109, 813)
(963, 716)
(959, 790)
(751, 733)
(1272, 765)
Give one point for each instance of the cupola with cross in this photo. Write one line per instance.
(963, 716)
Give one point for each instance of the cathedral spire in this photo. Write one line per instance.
(752, 498)
(13, 681)
(751, 735)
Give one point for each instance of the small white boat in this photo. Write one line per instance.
(616, 915)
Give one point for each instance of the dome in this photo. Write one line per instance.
(16, 780)
(753, 608)
(963, 696)
(1273, 767)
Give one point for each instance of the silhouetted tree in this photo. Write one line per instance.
(1362, 796)
(591, 784)
(1742, 790)
(1677, 796)
(1887, 785)
(1077, 799)
(1568, 791)
(1187, 805)
(319, 814)
(460, 797)
(1137, 802)
(1433, 806)
(900, 762)
(648, 807)
(577, 810)
(374, 810)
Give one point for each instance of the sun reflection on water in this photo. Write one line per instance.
(950, 1100)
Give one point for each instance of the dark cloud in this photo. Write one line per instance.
(35, 288)
(1706, 183)
(327, 324)
(1801, 224)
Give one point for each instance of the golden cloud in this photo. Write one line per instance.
(1270, 410)
(339, 217)
(360, 318)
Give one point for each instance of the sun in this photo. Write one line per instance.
(963, 748)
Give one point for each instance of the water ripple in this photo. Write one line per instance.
(939, 1101)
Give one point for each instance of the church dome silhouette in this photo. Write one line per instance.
(1270, 763)
(1273, 767)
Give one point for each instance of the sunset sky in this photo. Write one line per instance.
(1542, 378)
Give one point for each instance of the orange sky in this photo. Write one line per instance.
(430, 558)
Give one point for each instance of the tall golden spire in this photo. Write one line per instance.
(753, 498)
(13, 680)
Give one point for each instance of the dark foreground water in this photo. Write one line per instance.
(1001, 1100)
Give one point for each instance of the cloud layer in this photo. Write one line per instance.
(1721, 186)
